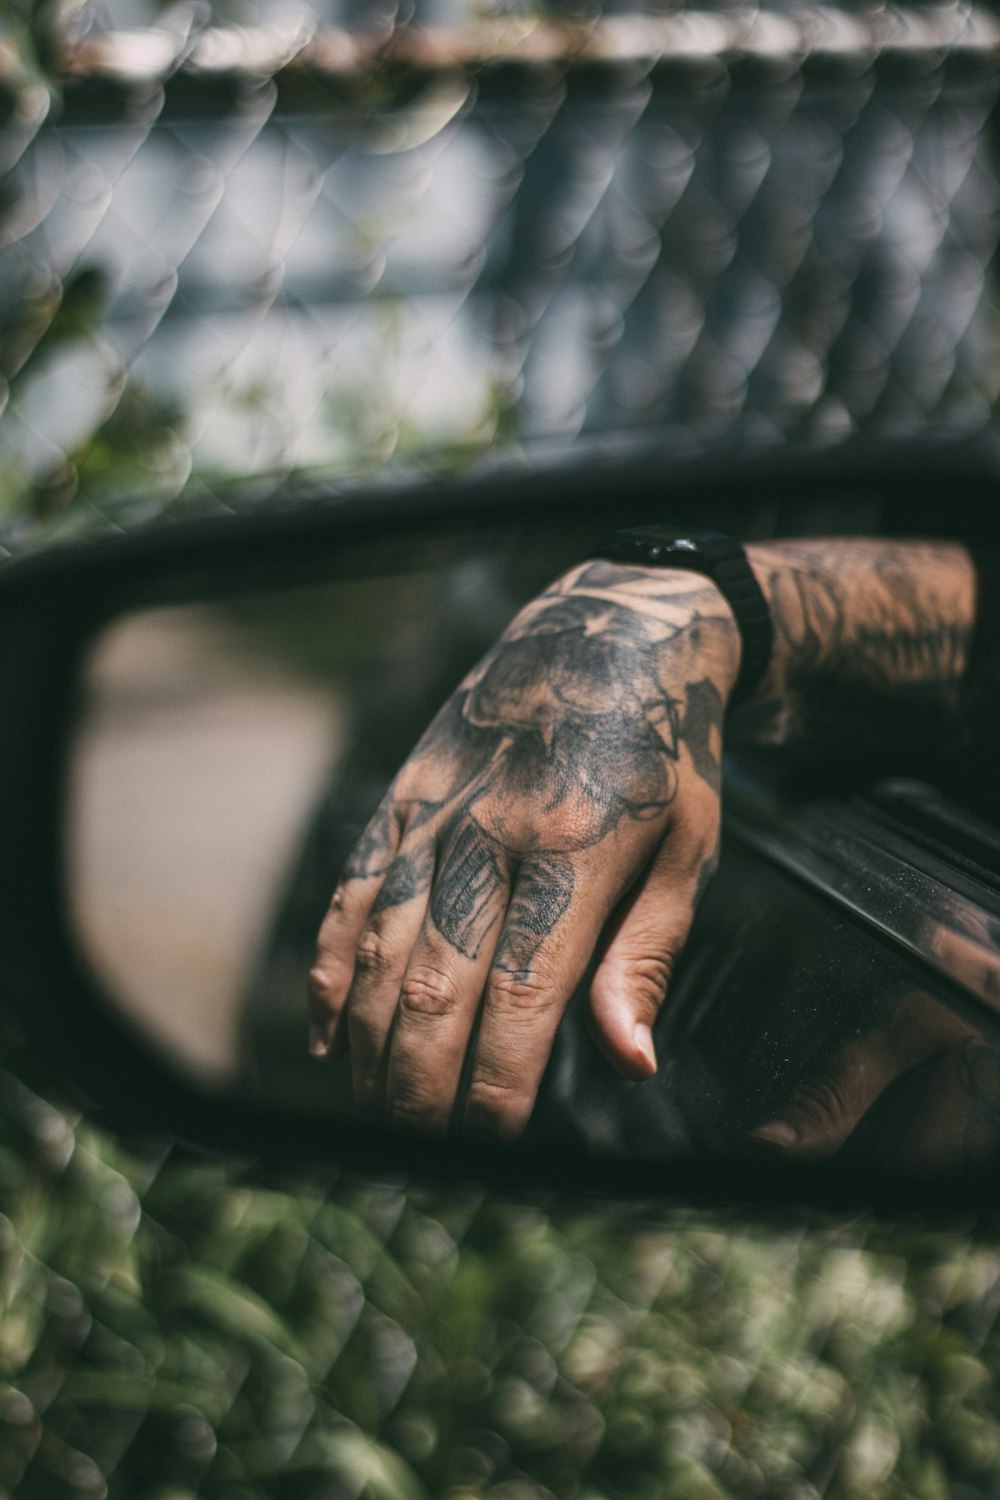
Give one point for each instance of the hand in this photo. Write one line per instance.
(919, 1093)
(569, 787)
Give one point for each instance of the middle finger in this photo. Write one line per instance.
(445, 978)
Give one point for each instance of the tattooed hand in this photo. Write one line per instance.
(569, 786)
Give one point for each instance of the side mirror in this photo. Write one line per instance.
(199, 722)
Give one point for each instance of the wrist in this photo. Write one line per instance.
(782, 674)
(684, 611)
(722, 559)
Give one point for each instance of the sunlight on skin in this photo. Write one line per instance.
(579, 765)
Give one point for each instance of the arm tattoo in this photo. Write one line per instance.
(887, 619)
(873, 639)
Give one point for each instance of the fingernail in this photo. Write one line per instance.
(643, 1039)
(777, 1133)
(318, 1045)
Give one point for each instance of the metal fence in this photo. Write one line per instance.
(177, 1327)
(234, 254)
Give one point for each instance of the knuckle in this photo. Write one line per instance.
(407, 1114)
(341, 919)
(413, 1094)
(326, 983)
(497, 1104)
(526, 990)
(415, 1114)
(427, 991)
(417, 1096)
(820, 1102)
(339, 901)
(375, 955)
(649, 977)
(344, 902)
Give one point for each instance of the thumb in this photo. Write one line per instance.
(836, 1095)
(630, 983)
(832, 1100)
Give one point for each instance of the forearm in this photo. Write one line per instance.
(872, 640)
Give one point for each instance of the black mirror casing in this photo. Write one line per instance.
(55, 602)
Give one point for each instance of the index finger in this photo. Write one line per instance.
(556, 912)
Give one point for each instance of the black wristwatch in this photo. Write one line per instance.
(722, 559)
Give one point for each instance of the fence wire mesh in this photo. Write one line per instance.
(233, 253)
(178, 1327)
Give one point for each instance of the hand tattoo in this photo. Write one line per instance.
(463, 904)
(542, 895)
(572, 726)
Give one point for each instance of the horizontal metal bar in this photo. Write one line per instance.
(683, 36)
(837, 850)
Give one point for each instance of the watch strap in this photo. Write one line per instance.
(722, 559)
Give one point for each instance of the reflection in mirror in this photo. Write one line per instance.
(229, 755)
(226, 759)
(197, 765)
(793, 1031)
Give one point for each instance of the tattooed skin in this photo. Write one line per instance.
(471, 875)
(543, 895)
(702, 721)
(572, 716)
(862, 624)
(574, 777)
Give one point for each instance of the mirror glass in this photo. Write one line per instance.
(230, 753)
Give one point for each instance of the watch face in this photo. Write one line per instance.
(685, 550)
(691, 549)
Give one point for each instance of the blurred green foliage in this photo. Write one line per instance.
(33, 32)
(175, 1326)
(128, 443)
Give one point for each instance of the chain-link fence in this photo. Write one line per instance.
(234, 254)
(175, 1327)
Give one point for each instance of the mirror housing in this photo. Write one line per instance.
(55, 603)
